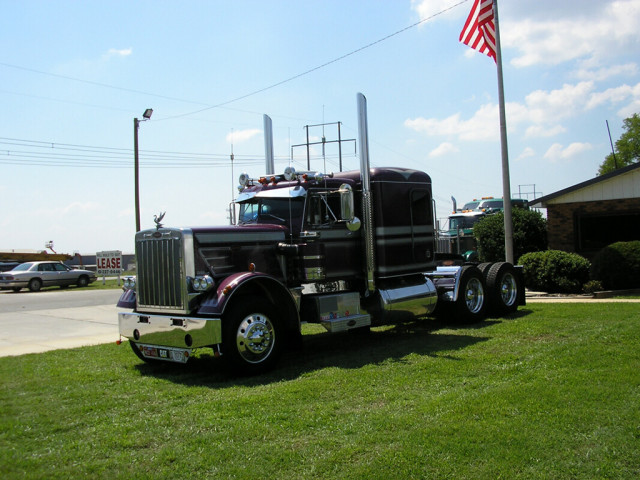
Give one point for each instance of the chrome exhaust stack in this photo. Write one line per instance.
(268, 145)
(367, 204)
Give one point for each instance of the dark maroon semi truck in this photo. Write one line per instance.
(347, 250)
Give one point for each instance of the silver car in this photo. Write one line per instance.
(35, 275)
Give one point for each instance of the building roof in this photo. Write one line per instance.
(621, 183)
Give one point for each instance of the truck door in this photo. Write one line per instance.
(331, 244)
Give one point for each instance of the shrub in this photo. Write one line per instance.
(618, 265)
(592, 286)
(529, 234)
(554, 271)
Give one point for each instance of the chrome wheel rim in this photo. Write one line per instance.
(255, 338)
(508, 289)
(474, 295)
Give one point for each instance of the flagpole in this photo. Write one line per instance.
(506, 185)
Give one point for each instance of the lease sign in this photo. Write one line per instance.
(109, 263)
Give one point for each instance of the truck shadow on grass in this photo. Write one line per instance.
(347, 350)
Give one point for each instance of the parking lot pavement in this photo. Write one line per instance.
(42, 330)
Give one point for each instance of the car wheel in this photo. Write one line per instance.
(503, 287)
(83, 281)
(252, 339)
(35, 284)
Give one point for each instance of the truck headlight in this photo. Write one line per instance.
(202, 283)
(129, 283)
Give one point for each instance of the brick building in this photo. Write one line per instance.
(588, 216)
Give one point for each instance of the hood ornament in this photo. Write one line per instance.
(157, 219)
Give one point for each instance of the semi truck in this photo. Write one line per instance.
(458, 237)
(346, 250)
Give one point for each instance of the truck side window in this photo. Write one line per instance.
(323, 209)
(248, 212)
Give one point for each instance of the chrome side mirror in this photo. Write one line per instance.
(347, 209)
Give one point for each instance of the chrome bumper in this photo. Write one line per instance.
(170, 331)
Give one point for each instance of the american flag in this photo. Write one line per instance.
(479, 30)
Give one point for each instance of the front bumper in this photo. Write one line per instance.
(170, 331)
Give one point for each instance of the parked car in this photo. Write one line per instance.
(35, 275)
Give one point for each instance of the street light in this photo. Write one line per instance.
(136, 123)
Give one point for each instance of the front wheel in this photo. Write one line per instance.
(470, 306)
(83, 281)
(252, 338)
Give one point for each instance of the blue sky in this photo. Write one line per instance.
(75, 74)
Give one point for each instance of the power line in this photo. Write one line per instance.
(242, 97)
(326, 64)
(41, 153)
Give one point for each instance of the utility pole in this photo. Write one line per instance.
(136, 124)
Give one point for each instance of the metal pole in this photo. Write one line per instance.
(615, 160)
(308, 153)
(339, 147)
(136, 123)
(506, 187)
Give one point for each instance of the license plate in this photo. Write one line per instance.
(179, 355)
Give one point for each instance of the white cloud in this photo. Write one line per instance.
(429, 8)
(604, 73)
(608, 28)
(526, 153)
(617, 95)
(540, 113)
(240, 136)
(114, 52)
(483, 125)
(443, 149)
(549, 106)
(537, 131)
(557, 151)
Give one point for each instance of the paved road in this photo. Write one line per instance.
(33, 322)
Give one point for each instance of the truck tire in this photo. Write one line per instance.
(252, 338)
(470, 306)
(484, 269)
(503, 287)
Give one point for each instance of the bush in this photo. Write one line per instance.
(554, 271)
(618, 265)
(529, 234)
(592, 286)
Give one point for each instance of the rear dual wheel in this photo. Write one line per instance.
(504, 287)
(470, 305)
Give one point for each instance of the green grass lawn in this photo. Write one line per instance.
(552, 392)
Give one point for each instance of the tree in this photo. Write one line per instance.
(627, 147)
(529, 234)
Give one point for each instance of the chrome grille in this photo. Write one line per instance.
(161, 271)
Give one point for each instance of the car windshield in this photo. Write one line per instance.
(270, 210)
(23, 267)
(471, 205)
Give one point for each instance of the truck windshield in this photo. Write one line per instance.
(281, 211)
(456, 223)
